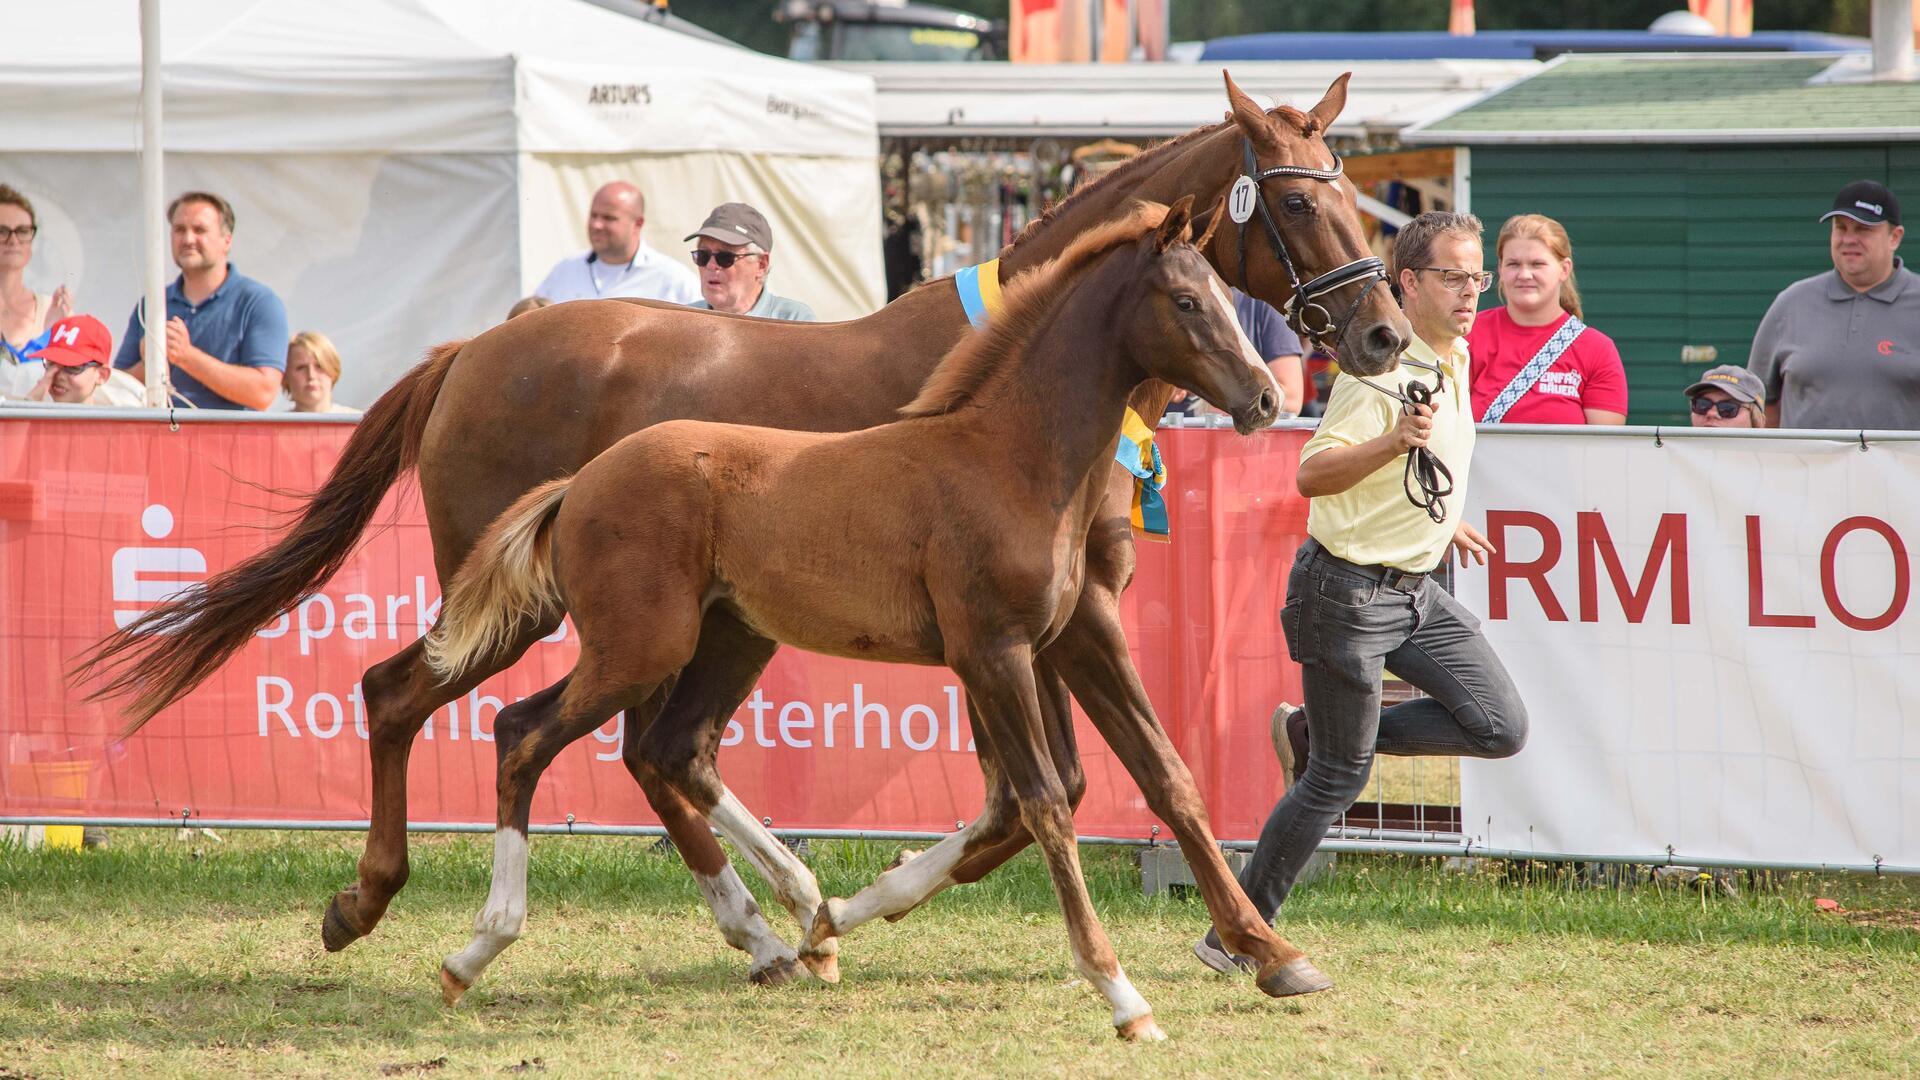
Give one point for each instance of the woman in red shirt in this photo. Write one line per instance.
(1534, 361)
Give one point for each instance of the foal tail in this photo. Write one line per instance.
(505, 583)
(172, 648)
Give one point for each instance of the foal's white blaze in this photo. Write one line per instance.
(1247, 352)
(740, 921)
(503, 918)
(793, 884)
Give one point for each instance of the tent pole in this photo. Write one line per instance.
(153, 207)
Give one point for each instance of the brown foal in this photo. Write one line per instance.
(970, 552)
(485, 421)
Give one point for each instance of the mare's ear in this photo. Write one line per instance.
(1173, 229)
(1335, 100)
(1213, 222)
(1250, 116)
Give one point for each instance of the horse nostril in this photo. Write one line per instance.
(1269, 405)
(1382, 341)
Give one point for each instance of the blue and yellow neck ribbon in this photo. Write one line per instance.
(1139, 456)
(980, 291)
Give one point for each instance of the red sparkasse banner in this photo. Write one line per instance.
(101, 518)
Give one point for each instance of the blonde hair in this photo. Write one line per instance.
(320, 347)
(1551, 233)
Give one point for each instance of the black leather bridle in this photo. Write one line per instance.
(1303, 311)
(1427, 481)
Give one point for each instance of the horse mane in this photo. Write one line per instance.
(1132, 165)
(966, 370)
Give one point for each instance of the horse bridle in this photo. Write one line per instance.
(1424, 468)
(1303, 309)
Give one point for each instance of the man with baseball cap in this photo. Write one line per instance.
(77, 352)
(1842, 349)
(1728, 397)
(733, 254)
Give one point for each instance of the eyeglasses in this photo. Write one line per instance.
(1727, 409)
(723, 259)
(20, 233)
(1457, 280)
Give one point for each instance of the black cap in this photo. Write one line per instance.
(1866, 202)
(737, 223)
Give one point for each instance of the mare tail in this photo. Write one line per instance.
(172, 648)
(505, 583)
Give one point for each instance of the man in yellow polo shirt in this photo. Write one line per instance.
(1362, 597)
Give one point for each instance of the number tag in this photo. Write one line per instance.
(1241, 199)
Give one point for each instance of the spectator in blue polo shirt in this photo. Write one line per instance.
(226, 333)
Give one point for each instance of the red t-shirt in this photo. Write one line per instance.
(1588, 375)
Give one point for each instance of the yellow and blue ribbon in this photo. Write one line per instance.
(980, 291)
(1139, 456)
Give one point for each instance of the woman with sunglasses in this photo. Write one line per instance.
(1534, 360)
(734, 251)
(1728, 396)
(25, 315)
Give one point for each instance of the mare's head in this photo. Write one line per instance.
(1178, 322)
(1318, 220)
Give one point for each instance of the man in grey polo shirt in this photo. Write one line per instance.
(733, 253)
(1842, 349)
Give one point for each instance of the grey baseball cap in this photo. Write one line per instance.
(736, 223)
(1736, 382)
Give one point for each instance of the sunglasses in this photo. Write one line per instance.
(723, 259)
(1727, 409)
(20, 233)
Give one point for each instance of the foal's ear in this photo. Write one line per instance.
(1213, 222)
(1174, 228)
(1335, 100)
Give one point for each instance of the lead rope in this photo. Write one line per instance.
(1425, 471)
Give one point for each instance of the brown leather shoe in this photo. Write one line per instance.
(1289, 733)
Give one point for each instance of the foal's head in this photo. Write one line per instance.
(1179, 325)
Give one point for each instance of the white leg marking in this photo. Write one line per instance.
(1128, 1005)
(1247, 352)
(793, 884)
(740, 920)
(908, 885)
(503, 918)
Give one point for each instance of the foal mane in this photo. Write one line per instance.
(966, 370)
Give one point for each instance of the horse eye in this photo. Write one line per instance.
(1298, 204)
(1185, 303)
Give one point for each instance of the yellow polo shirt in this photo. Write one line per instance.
(1373, 523)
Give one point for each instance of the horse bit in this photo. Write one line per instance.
(1424, 468)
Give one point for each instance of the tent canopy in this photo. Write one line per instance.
(403, 170)
(423, 76)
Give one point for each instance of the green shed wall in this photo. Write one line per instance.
(1681, 245)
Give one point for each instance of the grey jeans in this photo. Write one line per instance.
(1344, 626)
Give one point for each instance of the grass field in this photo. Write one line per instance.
(158, 957)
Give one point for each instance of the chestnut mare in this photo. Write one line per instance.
(538, 397)
(970, 552)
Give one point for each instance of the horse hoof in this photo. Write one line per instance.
(451, 988)
(336, 932)
(825, 966)
(1140, 1029)
(779, 973)
(1295, 976)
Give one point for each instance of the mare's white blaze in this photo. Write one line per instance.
(739, 918)
(1127, 1003)
(793, 884)
(907, 886)
(503, 918)
(1247, 353)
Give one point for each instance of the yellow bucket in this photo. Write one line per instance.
(55, 780)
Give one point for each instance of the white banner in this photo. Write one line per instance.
(1716, 641)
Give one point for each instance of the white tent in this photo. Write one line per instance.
(403, 170)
